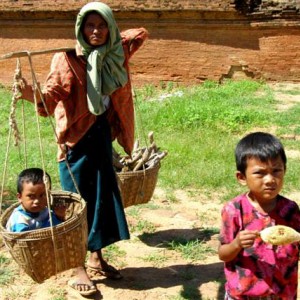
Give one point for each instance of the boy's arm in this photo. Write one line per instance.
(244, 239)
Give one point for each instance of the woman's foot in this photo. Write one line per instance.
(106, 271)
(97, 266)
(82, 283)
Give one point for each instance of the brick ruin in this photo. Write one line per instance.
(190, 41)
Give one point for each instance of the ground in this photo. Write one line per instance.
(151, 270)
(152, 266)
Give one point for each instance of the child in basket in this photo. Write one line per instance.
(32, 213)
(254, 269)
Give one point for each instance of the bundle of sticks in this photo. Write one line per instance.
(141, 158)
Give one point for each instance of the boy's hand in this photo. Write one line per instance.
(245, 238)
(60, 211)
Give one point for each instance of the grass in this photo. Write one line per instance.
(113, 253)
(199, 126)
(157, 259)
(192, 250)
(6, 273)
(142, 226)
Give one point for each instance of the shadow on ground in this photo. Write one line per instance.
(189, 276)
(163, 238)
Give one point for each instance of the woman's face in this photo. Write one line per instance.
(95, 30)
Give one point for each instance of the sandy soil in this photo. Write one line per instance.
(150, 269)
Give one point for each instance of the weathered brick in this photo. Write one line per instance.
(190, 41)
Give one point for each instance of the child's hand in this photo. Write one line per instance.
(245, 238)
(60, 211)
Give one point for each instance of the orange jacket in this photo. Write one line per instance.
(65, 97)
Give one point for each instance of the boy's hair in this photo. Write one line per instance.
(33, 175)
(261, 145)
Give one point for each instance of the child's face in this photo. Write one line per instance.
(95, 30)
(33, 197)
(264, 179)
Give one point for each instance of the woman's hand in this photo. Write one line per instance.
(26, 91)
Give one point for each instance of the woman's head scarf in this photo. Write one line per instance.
(105, 71)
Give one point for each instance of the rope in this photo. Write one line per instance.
(138, 112)
(24, 135)
(15, 97)
(35, 88)
(5, 168)
(137, 115)
(13, 128)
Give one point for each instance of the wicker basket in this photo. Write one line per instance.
(43, 253)
(137, 187)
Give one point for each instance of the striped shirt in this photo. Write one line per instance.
(21, 220)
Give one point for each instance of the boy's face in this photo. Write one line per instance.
(264, 179)
(33, 197)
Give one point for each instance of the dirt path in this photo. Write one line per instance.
(151, 269)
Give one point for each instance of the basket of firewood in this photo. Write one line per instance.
(137, 174)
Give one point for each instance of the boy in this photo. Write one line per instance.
(32, 213)
(254, 269)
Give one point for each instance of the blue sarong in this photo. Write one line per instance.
(90, 161)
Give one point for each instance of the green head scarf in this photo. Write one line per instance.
(105, 71)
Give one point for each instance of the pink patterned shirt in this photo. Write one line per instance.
(262, 269)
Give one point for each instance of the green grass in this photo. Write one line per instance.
(157, 259)
(113, 253)
(193, 250)
(199, 126)
(143, 226)
(6, 273)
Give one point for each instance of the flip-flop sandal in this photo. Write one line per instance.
(76, 284)
(109, 272)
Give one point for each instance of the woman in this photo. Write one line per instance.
(88, 91)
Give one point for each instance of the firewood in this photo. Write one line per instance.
(132, 162)
(136, 146)
(144, 159)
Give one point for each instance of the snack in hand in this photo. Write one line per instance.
(279, 235)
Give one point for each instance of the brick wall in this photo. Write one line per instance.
(186, 45)
(70, 5)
